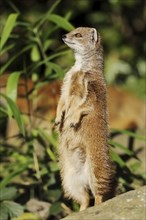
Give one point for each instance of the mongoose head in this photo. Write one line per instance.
(82, 39)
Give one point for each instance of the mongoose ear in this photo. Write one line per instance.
(94, 36)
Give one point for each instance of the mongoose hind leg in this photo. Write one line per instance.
(85, 203)
(81, 196)
(98, 199)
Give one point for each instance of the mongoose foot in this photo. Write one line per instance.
(98, 199)
(84, 205)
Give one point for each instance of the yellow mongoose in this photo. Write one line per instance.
(82, 122)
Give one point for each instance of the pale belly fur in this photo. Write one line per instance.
(74, 171)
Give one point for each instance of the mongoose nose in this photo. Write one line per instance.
(63, 37)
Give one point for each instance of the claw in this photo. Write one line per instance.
(73, 125)
(56, 123)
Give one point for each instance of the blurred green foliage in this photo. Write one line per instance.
(121, 23)
(31, 47)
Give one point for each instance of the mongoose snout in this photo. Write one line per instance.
(63, 36)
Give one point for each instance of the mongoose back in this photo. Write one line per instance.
(82, 122)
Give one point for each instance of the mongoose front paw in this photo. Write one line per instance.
(74, 125)
(56, 123)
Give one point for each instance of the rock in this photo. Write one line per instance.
(40, 208)
(127, 206)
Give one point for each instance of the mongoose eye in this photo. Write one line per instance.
(78, 35)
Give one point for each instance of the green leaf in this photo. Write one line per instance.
(129, 133)
(4, 67)
(27, 216)
(45, 61)
(60, 21)
(42, 19)
(7, 193)
(7, 48)
(14, 208)
(125, 150)
(56, 208)
(20, 169)
(135, 166)
(3, 212)
(49, 138)
(12, 84)
(75, 206)
(51, 154)
(56, 68)
(54, 195)
(53, 166)
(16, 113)
(36, 165)
(115, 157)
(47, 44)
(54, 6)
(35, 54)
(10, 23)
(3, 112)
(68, 15)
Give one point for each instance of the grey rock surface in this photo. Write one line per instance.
(127, 206)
